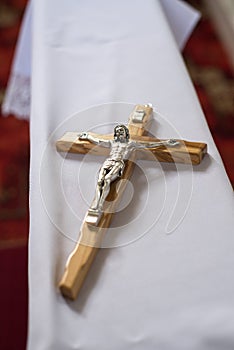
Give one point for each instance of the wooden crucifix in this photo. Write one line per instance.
(123, 148)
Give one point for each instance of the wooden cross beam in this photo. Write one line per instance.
(91, 233)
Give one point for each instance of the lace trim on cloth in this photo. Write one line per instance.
(18, 96)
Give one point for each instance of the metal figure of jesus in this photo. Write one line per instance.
(118, 165)
(121, 148)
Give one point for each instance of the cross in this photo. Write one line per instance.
(123, 148)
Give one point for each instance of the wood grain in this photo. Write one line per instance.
(187, 152)
(83, 256)
(90, 238)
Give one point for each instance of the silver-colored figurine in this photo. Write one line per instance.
(120, 149)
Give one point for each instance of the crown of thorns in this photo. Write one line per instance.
(123, 127)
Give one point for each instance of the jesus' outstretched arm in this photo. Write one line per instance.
(96, 140)
(166, 143)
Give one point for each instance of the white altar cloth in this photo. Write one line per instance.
(17, 100)
(172, 288)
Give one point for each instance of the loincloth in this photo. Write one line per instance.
(110, 163)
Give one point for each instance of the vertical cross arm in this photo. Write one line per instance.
(83, 256)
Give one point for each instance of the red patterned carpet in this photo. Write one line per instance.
(210, 70)
(213, 77)
(14, 163)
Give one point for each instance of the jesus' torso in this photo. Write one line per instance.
(121, 150)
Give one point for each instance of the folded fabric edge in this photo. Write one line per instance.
(181, 17)
(17, 99)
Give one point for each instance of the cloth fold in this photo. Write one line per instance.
(164, 279)
(181, 17)
(168, 283)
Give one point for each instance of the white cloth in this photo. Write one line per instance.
(18, 93)
(181, 17)
(163, 291)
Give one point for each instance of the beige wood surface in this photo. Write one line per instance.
(81, 259)
(90, 238)
(187, 152)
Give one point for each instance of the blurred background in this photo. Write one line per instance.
(209, 56)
